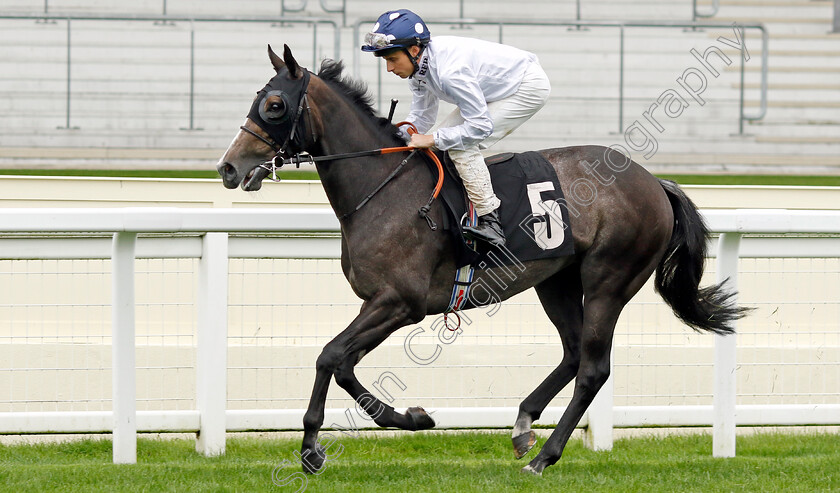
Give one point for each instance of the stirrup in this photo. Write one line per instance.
(488, 230)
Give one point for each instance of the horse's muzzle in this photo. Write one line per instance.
(230, 177)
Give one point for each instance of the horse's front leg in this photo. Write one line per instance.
(414, 419)
(378, 318)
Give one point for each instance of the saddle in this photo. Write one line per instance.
(533, 213)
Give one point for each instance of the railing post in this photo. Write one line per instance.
(836, 23)
(621, 82)
(192, 75)
(211, 350)
(314, 44)
(599, 430)
(723, 437)
(192, 79)
(741, 90)
(69, 65)
(356, 59)
(745, 57)
(124, 381)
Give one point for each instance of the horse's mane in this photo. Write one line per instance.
(332, 72)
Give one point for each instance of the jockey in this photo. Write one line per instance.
(495, 87)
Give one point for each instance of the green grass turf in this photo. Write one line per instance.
(471, 462)
(294, 174)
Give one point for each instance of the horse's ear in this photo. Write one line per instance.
(276, 61)
(294, 68)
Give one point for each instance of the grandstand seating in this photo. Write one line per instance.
(130, 90)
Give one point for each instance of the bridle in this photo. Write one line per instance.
(294, 136)
(282, 155)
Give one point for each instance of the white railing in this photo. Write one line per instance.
(214, 247)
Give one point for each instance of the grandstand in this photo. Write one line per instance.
(165, 84)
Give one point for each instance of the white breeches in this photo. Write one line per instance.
(507, 115)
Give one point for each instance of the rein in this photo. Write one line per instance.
(276, 163)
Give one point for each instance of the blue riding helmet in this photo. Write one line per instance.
(396, 29)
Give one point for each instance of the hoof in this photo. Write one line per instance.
(419, 418)
(312, 460)
(523, 443)
(530, 470)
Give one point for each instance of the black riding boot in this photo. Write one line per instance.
(489, 229)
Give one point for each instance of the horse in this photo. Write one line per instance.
(629, 226)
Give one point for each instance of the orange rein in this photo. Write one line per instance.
(411, 131)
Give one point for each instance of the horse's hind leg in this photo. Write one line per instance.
(562, 298)
(600, 316)
(609, 279)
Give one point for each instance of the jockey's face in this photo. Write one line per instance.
(399, 63)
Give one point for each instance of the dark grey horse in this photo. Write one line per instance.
(627, 226)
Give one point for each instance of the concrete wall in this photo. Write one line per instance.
(55, 321)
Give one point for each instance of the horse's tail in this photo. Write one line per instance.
(678, 274)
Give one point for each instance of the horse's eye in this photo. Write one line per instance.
(275, 110)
